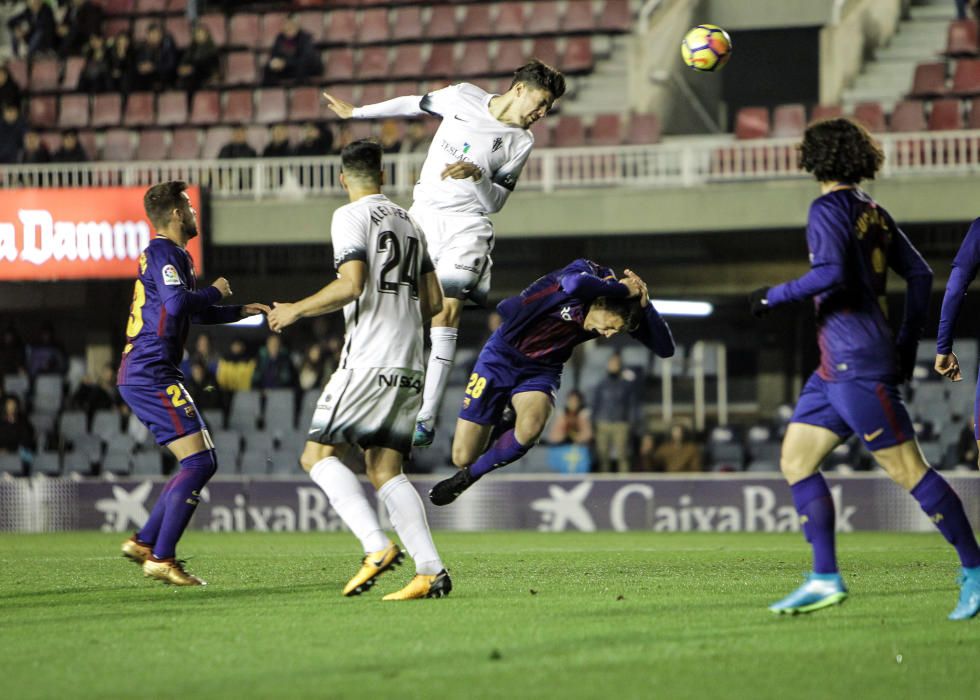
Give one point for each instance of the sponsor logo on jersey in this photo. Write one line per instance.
(400, 381)
(466, 148)
(170, 276)
(497, 143)
(466, 267)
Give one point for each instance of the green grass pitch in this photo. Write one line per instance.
(532, 615)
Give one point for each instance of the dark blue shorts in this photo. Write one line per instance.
(168, 411)
(872, 409)
(499, 373)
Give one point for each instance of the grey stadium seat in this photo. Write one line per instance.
(244, 414)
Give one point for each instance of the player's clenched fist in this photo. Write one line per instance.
(462, 170)
(281, 316)
(949, 367)
(221, 284)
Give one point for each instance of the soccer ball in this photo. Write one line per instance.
(706, 48)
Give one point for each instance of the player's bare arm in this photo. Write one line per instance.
(336, 295)
(343, 109)
(431, 297)
(462, 170)
(949, 367)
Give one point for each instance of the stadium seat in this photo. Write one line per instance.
(440, 63)
(578, 18)
(373, 93)
(285, 462)
(118, 146)
(271, 25)
(244, 412)
(821, 112)
(305, 104)
(752, 123)
(643, 128)
(270, 105)
(475, 60)
(185, 145)
(373, 64)
(510, 55)
(261, 441)
(152, 145)
(177, 6)
(578, 55)
(312, 24)
(243, 30)
(280, 410)
(240, 68)
(117, 461)
(961, 38)
(139, 109)
(542, 133)
(73, 112)
(407, 24)
(407, 62)
(615, 16)
(929, 80)
(214, 417)
(180, 30)
(476, 21)
(216, 26)
(11, 464)
(42, 111)
(106, 423)
(374, 26)
(205, 107)
(946, 115)
(117, 7)
(339, 64)
(238, 106)
(150, 7)
(607, 130)
(544, 18)
(18, 71)
(87, 139)
(966, 77)
(510, 19)
(73, 71)
(172, 109)
(908, 116)
(871, 116)
(228, 445)
(788, 120)
(569, 132)
(114, 26)
(254, 463)
(47, 463)
(147, 463)
(341, 27)
(442, 22)
(973, 121)
(545, 49)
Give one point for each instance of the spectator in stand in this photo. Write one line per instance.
(16, 432)
(33, 30)
(34, 151)
(311, 370)
(199, 62)
(416, 139)
(344, 137)
(13, 356)
(201, 384)
(12, 130)
(156, 59)
(389, 136)
(71, 150)
(644, 461)
(573, 425)
(236, 368)
(278, 146)
(97, 394)
(204, 353)
(294, 56)
(96, 75)
(238, 147)
(614, 409)
(678, 453)
(81, 20)
(316, 141)
(47, 355)
(121, 61)
(10, 91)
(275, 369)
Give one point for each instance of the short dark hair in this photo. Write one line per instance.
(626, 308)
(840, 150)
(537, 74)
(160, 200)
(362, 159)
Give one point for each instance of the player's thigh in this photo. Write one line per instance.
(314, 452)
(804, 447)
(904, 463)
(874, 410)
(169, 413)
(533, 409)
(469, 441)
(489, 388)
(383, 464)
(464, 262)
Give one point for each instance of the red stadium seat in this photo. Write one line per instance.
(374, 26)
(44, 75)
(186, 144)
(476, 21)
(41, 112)
(73, 112)
(174, 6)
(341, 27)
(442, 23)
(238, 106)
(569, 132)
(407, 62)
(270, 106)
(18, 71)
(510, 19)
(966, 77)
(73, 71)
(240, 68)
(788, 120)
(546, 49)
(214, 139)
(305, 104)
(544, 18)
(339, 64)
(929, 80)
(117, 7)
(578, 18)
(476, 58)
(150, 7)
(373, 64)
(180, 30)
(946, 115)
(510, 55)
(118, 146)
(822, 112)
(51, 140)
(172, 109)
(542, 133)
(961, 38)
(752, 123)
(152, 145)
(973, 121)
(440, 63)
(312, 24)
(373, 93)
(217, 27)
(615, 16)
(243, 30)
(908, 116)
(114, 26)
(407, 24)
(871, 116)
(271, 25)
(644, 128)
(139, 109)
(578, 55)
(607, 130)
(106, 110)
(205, 107)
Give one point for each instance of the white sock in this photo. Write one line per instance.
(408, 518)
(437, 371)
(347, 497)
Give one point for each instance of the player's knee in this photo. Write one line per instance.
(205, 462)
(308, 460)
(528, 430)
(463, 456)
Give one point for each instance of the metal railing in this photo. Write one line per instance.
(679, 163)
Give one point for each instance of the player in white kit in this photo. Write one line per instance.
(387, 287)
(472, 166)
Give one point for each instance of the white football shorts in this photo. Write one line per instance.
(460, 247)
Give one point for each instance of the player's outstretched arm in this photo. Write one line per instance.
(407, 106)
(963, 272)
(336, 295)
(228, 314)
(653, 330)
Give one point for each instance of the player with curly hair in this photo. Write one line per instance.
(853, 241)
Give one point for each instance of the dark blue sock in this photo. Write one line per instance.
(816, 508)
(182, 496)
(944, 508)
(151, 528)
(501, 453)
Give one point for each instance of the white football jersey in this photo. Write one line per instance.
(383, 325)
(468, 132)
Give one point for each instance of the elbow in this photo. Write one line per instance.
(354, 290)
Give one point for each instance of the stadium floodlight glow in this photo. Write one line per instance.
(668, 307)
(251, 321)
